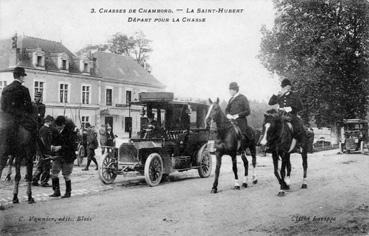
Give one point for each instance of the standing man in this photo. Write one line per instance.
(44, 164)
(63, 148)
(103, 138)
(238, 109)
(110, 137)
(290, 102)
(92, 144)
(39, 109)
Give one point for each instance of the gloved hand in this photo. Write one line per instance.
(288, 109)
(229, 117)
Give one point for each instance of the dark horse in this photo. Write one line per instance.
(277, 135)
(19, 143)
(229, 142)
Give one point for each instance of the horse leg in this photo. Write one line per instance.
(253, 154)
(305, 166)
(276, 173)
(246, 165)
(217, 170)
(287, 179)
(283, 171)
(29, 177)
(17, 179)
(234, 168)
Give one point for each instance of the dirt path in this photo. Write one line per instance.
(335, 203)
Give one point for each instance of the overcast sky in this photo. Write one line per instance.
(192, 59)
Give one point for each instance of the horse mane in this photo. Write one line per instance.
(281, 135)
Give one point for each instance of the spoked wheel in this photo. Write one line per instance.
(153, 169)
(81, 154)
(205, 161)
(108, 168)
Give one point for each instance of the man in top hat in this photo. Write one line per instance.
(290, 102)
(16, 101)
(238, 109)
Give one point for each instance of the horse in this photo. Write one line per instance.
(18, 142)
(230, 142)
(277, 136)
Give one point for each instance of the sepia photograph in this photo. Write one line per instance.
(184, 117)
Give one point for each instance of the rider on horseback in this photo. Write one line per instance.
(237, 110)
(290, 102)
(16, 101)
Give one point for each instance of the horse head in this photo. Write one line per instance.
(213, 112)
(274, 128)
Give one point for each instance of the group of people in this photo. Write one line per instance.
(55, 139)
(289, 101)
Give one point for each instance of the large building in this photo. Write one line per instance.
(95, 87)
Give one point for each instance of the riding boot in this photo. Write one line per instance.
(68, 189)
(56, 187)
(88, 164)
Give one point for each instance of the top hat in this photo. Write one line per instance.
(233, 86)
(19, 71)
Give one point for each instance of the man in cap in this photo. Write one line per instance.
(63, 148)
(238, 109)
(39, 109)
(16, 100)
(290, 102)
(92, 144)
(44, 163)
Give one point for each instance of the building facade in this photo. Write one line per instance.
(96, 87)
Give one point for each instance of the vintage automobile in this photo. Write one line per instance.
(353, 135)
(173, 137)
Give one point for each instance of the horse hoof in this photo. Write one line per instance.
(214, 190)
(244, 185)
(15, 200)
(304, 186)
(236, 188)
(281, 194)
(255, 181)
(31, 200)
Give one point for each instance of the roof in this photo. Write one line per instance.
(27, 45)
(123, 68)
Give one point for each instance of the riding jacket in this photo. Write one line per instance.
(239, 105)
(289, 99)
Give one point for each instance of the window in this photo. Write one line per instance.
(2, 86)
(63, 92)
(39, 87)
(109, 93)
(128, 96)
(39, 61)
(84, 120)
(85, 67)
(64, 64)
(85, 94)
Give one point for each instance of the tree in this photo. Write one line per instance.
(141, 48)
(95, 47)
(137, 47)
(121, 44)
(322, 46)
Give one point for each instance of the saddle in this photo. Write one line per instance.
(248, 135)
